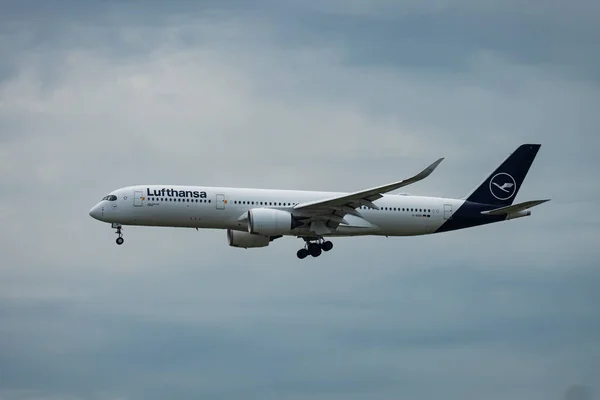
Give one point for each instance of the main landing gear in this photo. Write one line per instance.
(314, 247)
(119, 232)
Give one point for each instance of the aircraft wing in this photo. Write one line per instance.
(514, 208)
(365, 197)
(324, 215)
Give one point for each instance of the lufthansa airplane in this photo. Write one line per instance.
(256, 217)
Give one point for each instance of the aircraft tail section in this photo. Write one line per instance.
(501, 186)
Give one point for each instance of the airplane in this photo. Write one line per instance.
(254, 218)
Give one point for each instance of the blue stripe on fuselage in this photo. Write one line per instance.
(469, 215)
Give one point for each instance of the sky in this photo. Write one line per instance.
(331, 95)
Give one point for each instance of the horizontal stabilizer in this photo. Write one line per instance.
(514, 208)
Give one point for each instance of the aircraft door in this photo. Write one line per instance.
(221, 201)
(447, 211)
(138, 197)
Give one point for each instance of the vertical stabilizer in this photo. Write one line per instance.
(502, 186)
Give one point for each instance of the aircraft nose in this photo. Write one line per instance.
(96, 212)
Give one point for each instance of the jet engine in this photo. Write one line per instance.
(268, 221)
(246, 240)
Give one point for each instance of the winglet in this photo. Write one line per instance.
(421, 175)
(427, 171)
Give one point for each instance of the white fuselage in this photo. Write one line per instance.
(225, 208)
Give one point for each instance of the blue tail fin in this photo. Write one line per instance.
(501, 187)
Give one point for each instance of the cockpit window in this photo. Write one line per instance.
(111, 197)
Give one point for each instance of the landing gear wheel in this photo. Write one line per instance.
(326, 246)
(119, 232)
(302, 254)
(314, 249)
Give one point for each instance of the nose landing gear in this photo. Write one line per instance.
(119, 232)
(314, 247)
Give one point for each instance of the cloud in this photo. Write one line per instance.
(305, 96)
(348, 337)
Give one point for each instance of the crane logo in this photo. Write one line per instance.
(503, 186)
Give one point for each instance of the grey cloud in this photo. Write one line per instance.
(447, 35)
(332, 345)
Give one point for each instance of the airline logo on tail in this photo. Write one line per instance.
(503, 186)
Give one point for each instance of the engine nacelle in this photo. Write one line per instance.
(268, 221)
(246, 240)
